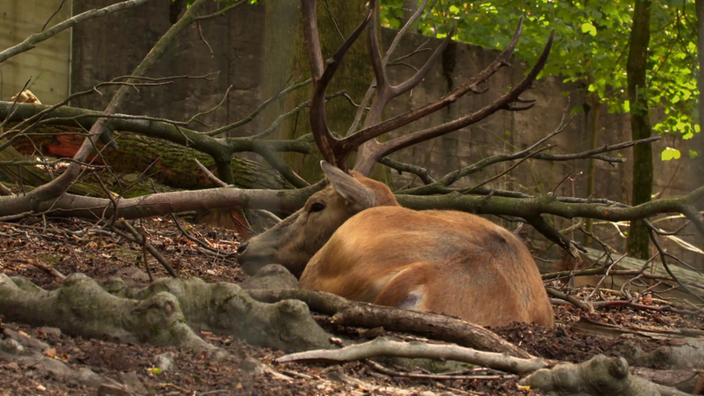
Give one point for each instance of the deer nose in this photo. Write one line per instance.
(242, 247)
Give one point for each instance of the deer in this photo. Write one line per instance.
(353, 239)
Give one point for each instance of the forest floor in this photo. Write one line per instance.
(70, 246)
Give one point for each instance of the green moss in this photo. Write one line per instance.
(50, 259)
(154, 330)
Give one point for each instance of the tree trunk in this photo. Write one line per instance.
(700, 53)
(595, 113)
(286, 57)
(638, 240)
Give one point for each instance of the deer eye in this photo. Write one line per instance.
(317, 207)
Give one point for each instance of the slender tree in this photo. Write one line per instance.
(638, 240)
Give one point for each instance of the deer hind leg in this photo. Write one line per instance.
(407, 289)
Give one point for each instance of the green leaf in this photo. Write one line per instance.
(693, 154)
(587, 27)
(454, 9)
(670, 153)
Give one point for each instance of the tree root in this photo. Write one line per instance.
(29, 353)
(161, 313)
(685, 354)
(226, 309)
(598, 376)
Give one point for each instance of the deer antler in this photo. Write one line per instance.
(365, 162)
(329, 146)
(370, 151)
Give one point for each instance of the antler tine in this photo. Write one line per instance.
(375, 130)
(329, 146)
(394, 44)
(310, 31)
(418, 77)
(385, 91)
(382, 149)
(382, 82)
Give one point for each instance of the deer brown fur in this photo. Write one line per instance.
(354, 240)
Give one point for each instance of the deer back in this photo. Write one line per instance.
(446, 262)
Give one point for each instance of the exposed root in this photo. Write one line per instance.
(599, 376)
(161, 313)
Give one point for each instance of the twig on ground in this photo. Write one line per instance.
(144, 255)
(46, 268)
(388, 371)
(138, 239)
(653, 231)
(606, 274)
(572, 299)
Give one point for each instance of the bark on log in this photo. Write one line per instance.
(172, 164)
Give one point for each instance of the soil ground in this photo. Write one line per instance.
(70, 246)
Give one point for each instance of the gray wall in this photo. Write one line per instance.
(46, 67)
(109, 47)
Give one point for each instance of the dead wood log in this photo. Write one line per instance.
(168, 163)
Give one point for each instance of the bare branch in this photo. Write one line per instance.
(382, 149)
(61, 183)
(259, 109)
(36, 38)
(652, 231)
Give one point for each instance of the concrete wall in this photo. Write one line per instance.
(46, 67)
(112, 46)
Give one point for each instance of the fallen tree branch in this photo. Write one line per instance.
(358, 314)
(385, 347)
(292, 200)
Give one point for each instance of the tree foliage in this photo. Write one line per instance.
(591, 47)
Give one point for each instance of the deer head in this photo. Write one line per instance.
(295, 240)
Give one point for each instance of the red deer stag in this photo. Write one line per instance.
(353, 239)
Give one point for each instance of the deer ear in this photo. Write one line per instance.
(357, 195)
